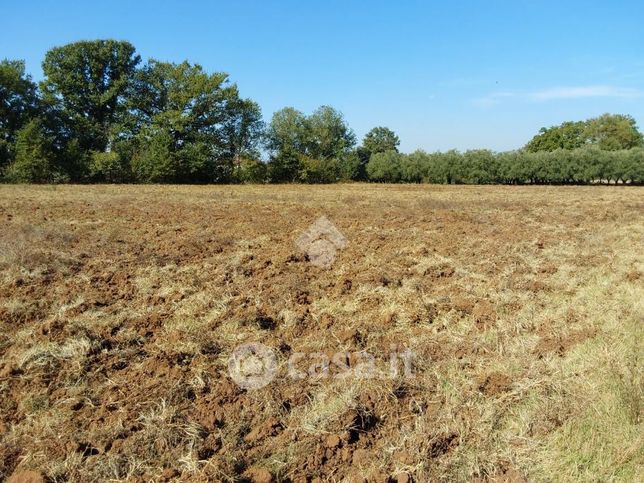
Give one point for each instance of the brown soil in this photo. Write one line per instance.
(494, 383)
(120, 306)
(559, 345)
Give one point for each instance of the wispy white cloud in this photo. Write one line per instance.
(579, 92)
(561, 93)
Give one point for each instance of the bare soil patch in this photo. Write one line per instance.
(120, 307)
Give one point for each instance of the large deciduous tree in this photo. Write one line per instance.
(329, 137)
(609, 132)
(287, 137)
(189, 125)
(243, 130)
(315, 148)
(568, 135)
(88, 82)
(378, 140)
(612, 132)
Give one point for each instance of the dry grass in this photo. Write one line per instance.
(120, 306)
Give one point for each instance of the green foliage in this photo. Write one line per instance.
(380, 140)
(242, 129)
(250, 170)
(155, 161)
(87, 81)
(319, 170)
(33, 160)
(614, 132)
(413, 167)
(348, 166)
(192, 125)
(327, 135)
(314, 149)
(569, 135)
(18, 104)
(479, 167)
(287, 133)
(284, 167)
(101, 117)
(110, 167)
(609, 132)
(386, 167)
(74, 160)
(636, 165)
(589, 164)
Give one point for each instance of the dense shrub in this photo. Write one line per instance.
(250, 171)
(315, 170)
(33, 156)
(110, 167)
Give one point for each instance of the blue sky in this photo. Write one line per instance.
(443, 75)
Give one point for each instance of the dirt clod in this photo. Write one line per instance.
(332, 441)
(258, 475)
(27, 476)
(494, 383)
(402, 478)
(484, 314)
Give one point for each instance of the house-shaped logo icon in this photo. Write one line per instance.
(321, 242)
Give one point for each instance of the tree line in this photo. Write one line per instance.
(101, 115)
(578, 166)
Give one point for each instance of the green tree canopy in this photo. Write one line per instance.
(18, 104)
(324, 134)
(612, 132)
(88, 82)
(380, 140)
(243, 129)
(609, 132)
(190, 124)
(328, 135)
(33, 160)
(101, 116)
(318, 145)
(568, 135)
(386, 167)
(287, 132)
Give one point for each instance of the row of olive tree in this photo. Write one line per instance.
(578, 166)
(318, 149)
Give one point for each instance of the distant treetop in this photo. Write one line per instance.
(610, 132)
